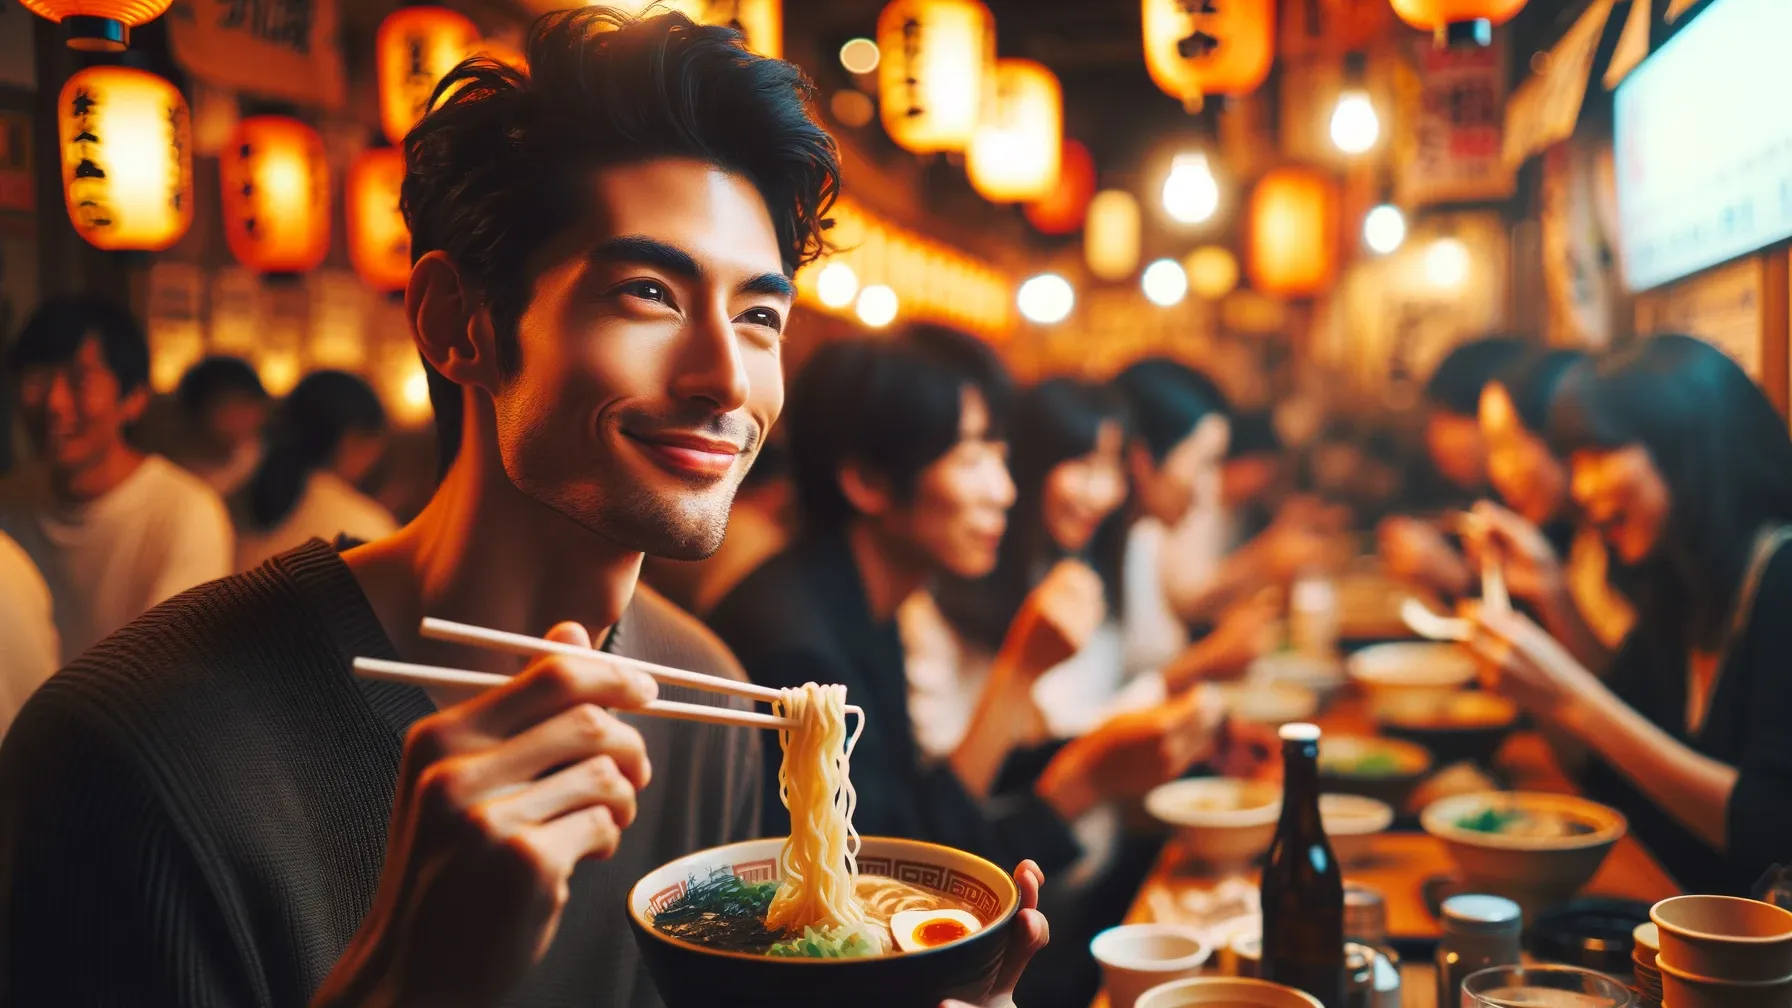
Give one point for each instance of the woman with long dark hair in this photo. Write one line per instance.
(327, 437)
(1686, 470)
(1555, 564)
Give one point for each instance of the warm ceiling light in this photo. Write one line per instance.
(877, 306)
(852, 107)
(1164, 282)
(1355, 126)
(1384, 229)
(1191, 193)
(1447, 263)
(1046, 299)
(1212, 272)
(836, 285)
(859, 55)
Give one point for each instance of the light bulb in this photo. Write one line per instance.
(1046, 299)
(1355, 126)
(1447, 263)
(1191, 193)
(1384, 229)
(836, 285)
(1164, 282)
(860, 55)
(877, 306)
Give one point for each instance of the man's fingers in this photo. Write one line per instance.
(553, 684)
(572, 736)
(589, 832)
(595, 781)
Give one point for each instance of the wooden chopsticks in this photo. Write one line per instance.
(503, 641)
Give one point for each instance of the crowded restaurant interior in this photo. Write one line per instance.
(896, 503)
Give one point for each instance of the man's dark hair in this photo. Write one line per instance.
(1533, 382)
(55, 331)
(1455, 385)
(499, 166)
(213, 378)
(1168, 401)
(892, 406)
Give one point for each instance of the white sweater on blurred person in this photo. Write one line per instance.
(28, 649)
(328, 507)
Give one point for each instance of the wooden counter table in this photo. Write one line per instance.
(1402, 861)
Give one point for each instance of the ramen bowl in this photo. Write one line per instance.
(1536, 849)
(1455, 726)
(1352, 823)
(1381, 768)
(1324, 676)
(1220, 821)
(690, 975)
(1411, 667)
(1225, 992)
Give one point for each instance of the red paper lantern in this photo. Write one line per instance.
(1293, 246)
(127, 158)
(276, 195)
(1061, 211)
(414, 49)
(1458, 21)
(1216, 47)
(98, 25)
(379, 244)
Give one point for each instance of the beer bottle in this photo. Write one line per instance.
(1303, 887)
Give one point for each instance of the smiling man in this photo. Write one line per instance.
(209, 809)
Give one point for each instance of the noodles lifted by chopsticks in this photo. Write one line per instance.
(819, 861)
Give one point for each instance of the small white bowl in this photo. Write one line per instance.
(1222, 821)
(1225, 992)
(1135, 958)
(1322, 676)
(1680, 989)
(1273, 704)
(1724, 937)
(1352, 822)
(1412, 666)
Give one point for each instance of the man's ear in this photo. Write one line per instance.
(867, 491)
(452, 327)
(132, 404)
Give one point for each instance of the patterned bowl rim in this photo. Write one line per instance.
(1007, 898)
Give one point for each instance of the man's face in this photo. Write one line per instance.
(236, 420)
(1456, 449)
(960, 505)
(75, 412)
(650, 357)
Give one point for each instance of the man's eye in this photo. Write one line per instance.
(763, 317)
(646, 290)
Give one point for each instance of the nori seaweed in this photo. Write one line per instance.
(723, 912)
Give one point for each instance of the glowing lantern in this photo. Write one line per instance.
(761, 21)
(1457, 21)
(1062, 209)
(1014, 156)
(1213, 47)
(276, 195)
(936, 55)
(1111, 235)
(1212, 272)
(127, 158)
(379, 245)
(1293, 233)
(414, 49)
(502, 51)
(98, 25)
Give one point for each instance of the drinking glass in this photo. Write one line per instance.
(1543, 987)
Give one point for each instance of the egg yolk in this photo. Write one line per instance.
(940, 931)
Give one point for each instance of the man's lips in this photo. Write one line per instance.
(687, 454)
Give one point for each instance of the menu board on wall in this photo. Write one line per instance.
(1704, 144)
(1453, 152)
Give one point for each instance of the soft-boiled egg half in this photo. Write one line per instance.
(917, 930)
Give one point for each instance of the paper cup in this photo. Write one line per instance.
(1724, 937)
(1137, 957)
(1680, 989)
(1225, 992)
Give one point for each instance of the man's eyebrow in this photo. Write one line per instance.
(769, 284)
(648, 252)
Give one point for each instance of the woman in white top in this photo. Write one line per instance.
(29, 650)
(328, 436)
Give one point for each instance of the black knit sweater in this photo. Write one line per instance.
(194, 812)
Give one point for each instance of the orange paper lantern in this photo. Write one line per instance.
(1293, 233)
(127, 158)
(1014, 155)
(1220, 47)
(1061, 211)
(501, 51)
(1454, 21)
(276, 195)
(936, 58)
(98, 25)
(414, 49)
(379, 244)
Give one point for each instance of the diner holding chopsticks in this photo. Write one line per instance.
(1256, 656)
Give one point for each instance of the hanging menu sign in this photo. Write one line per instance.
(1458, 116)
(272, 48)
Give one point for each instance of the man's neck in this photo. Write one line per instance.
(483, 552)
(90, 483)
(889, 570)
